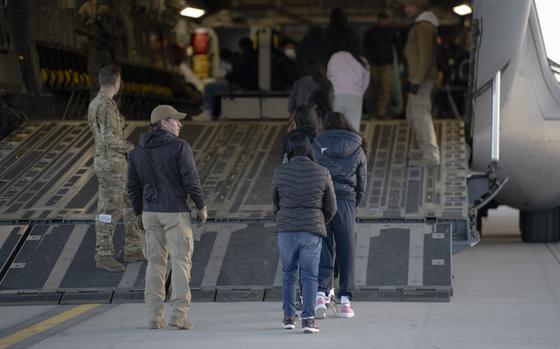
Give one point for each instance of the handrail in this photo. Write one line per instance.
(496, 85)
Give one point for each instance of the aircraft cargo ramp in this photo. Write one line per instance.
(409, 225)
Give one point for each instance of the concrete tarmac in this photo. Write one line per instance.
(506, 295)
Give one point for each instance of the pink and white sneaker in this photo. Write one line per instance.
(344, 311)
(320, 306)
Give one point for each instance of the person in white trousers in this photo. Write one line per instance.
(350, 77)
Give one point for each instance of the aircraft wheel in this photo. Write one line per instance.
(540, 226)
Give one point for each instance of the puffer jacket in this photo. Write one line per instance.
(340, 151)
(303, 197)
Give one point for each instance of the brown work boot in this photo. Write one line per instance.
(109, 263)
(134, 257)
(182, 324)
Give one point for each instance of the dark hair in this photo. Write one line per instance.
(226, 54)
(305, 121)
(246, 44)
(383, 14)
(338, 121)
(321, 102)
(342, 36)
(299, 145)
(108, 75)
(316, 70)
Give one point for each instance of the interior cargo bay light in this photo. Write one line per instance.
(192, 12)
(462, 10)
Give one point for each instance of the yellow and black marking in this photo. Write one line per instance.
(46, 325)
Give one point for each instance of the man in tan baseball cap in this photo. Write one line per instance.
(168, 118)
(162, 175)
(165, 111)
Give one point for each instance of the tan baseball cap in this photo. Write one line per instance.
(165, 111)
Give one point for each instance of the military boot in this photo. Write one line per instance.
(182, 324)
(109, 263)
(132, 257)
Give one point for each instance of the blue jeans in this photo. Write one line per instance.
(304, 249)
(209, 98)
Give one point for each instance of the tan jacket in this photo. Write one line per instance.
(107, 127)
(420, 49)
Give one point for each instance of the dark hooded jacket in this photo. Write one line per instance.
(245, 71)
(340, 151)
(162, 174)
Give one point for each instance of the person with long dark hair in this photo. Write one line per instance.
(347, 70)
(305, 122)
(340, 32)
(313, 77)
(342, 150)
(321, 103)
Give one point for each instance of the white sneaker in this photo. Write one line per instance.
(320, 306)
(204, 116)
(344, 310)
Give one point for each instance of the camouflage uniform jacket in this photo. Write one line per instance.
(107, 126)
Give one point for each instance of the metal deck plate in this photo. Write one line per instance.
(60, 258)
(46, 170)
(11, 238)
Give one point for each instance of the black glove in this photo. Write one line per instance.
(412, 87)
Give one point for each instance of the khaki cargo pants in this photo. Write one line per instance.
(112, 202)
(168, 233)
(419, 117)
(382, 78)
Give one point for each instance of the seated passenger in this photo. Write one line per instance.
(243, 75)
(302, 204)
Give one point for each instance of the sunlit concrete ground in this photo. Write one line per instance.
(506, 295)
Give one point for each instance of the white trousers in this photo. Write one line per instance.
(351, 107)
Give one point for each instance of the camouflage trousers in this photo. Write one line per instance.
(113, 202)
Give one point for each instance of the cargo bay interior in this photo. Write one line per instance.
(427, 255)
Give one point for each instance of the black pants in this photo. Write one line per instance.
(340, 233)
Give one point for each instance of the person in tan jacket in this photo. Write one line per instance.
(420, 54)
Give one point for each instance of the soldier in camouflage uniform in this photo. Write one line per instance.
(105, 38)
(111, 152)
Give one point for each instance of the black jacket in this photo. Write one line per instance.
(314, 46)
(378, 45)
(245, 71)
(341, 152)
(303, 196)
(162, 174)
